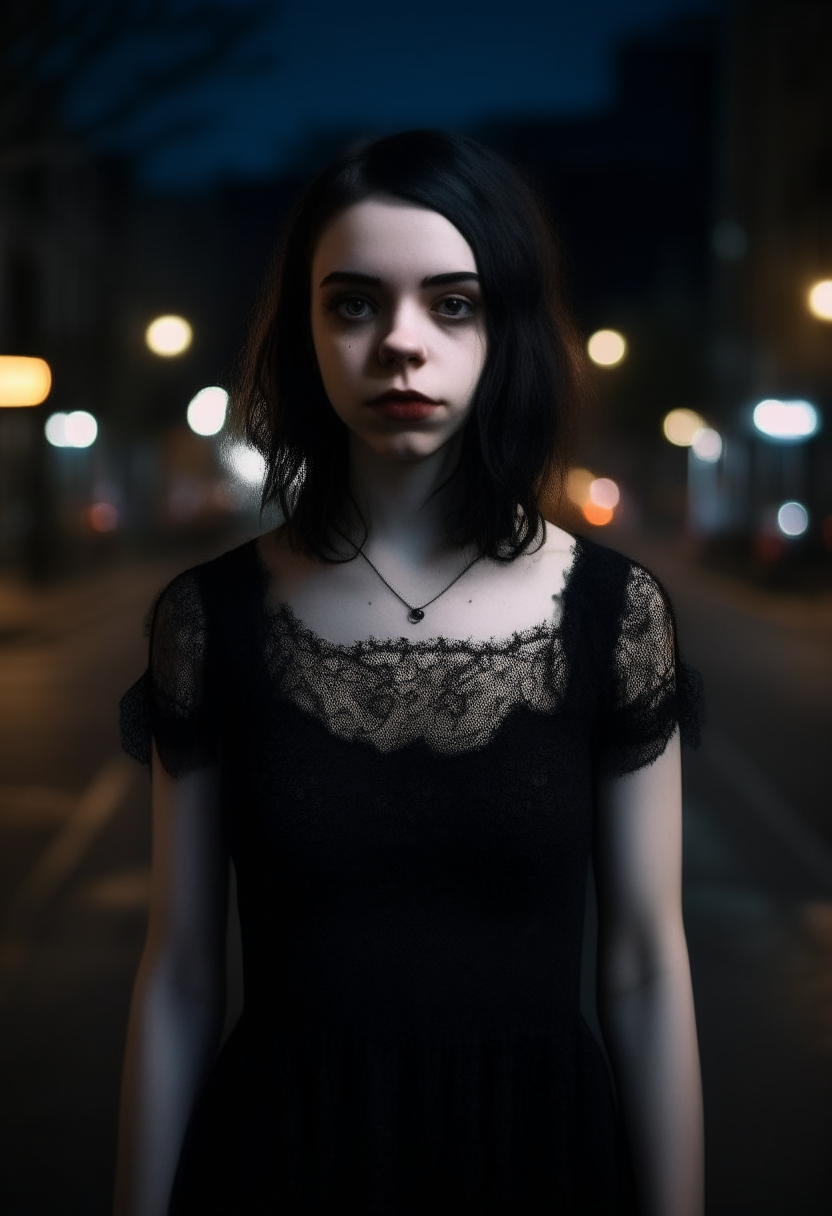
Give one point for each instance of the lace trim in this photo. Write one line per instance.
(450, 694)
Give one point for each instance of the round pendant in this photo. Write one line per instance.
(415, 616)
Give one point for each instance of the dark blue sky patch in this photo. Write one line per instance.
(379, 65)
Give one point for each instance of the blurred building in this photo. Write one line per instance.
(631, 189)
(86, 262)
(697, 215)
(56, 262)
(771, 241)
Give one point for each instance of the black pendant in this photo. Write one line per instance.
(415, 616)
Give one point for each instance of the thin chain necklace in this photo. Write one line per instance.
(415, 613)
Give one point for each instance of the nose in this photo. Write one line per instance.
(402, 343)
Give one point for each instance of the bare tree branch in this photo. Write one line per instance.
(152, 49)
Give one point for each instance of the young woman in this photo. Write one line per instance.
(410, 715)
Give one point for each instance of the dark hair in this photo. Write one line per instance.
(515, 442)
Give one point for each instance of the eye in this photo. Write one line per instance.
(352, 308)
(455, 307)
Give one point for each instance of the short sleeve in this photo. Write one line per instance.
(650, 691)
(170, 703)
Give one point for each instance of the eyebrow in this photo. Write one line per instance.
(432, 280)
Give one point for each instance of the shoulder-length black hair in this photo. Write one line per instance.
(515, 442)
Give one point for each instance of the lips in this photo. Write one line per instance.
(404, 403)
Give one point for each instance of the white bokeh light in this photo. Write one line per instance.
(55, 430)
(786, 419)
(792, 519)
(246, 464)
(81, 429)
(76, 430)
(707, 445)
(604, 493)
(207, 410)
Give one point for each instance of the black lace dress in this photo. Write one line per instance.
(410, 824)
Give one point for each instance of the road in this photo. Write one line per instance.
(74, 844)
(758, 885)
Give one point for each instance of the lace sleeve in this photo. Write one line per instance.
(170, 703)
(650, 690)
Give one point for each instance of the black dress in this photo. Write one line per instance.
(410, 824)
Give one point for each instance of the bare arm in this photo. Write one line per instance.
(644, 991)
(178, 1000)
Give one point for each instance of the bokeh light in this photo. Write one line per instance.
(578, 482)
(607, 347)
(168, 336)
(786, 419)
(103, 517)
(207, 410)
(604, 493)
(76, 430)
(707, 445)
(595, 497)
(595, 514)
(820, 300)
(792, 519)
(55, 430)
(246, 463)
(23, 381)
(680, 426)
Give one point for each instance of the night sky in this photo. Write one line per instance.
(377, 65)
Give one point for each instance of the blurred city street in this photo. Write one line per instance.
(149, 156)
(74, 841)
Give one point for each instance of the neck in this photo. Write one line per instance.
(405, 504)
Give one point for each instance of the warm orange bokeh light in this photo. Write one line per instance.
(23, 380)
(578, 482)
(103, 517)
(597, 515)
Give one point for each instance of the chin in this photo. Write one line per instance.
(405, 449)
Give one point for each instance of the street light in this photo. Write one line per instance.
(23, 381)
(792, 519)
(206, 410)
(607, 347)
(168, 336)
(707, 445)
(76, 430)
(820, 300)
(595, 497)
(787, 421)
(680, 427)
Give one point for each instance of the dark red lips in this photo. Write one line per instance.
(404, 403)
(403, 395)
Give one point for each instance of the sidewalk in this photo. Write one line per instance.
(44, 614)
(30, 614)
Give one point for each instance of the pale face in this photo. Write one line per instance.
(398, 326)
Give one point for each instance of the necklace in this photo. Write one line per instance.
(415, 614)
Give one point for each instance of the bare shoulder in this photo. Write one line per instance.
(558, 547)
(525, 592)
(556, 540)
